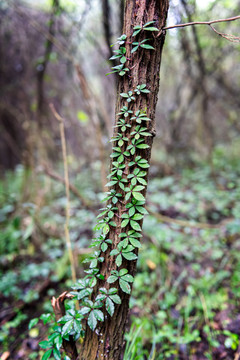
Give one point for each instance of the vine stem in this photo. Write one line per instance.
(66, 180)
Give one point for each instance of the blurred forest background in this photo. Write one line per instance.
(185, 302)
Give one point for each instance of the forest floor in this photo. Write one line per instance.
(185, 301)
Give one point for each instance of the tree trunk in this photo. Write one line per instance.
(107, 341)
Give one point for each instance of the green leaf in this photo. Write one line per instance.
(53, 336)
(120, 158)
(128, 278)
(135, 225)
(58, 341)
(67, 327)
(92, 321)
(45, 318)
(124, 223)
(142, 146)
(135, 234)
(125, 95)
(93, 281)
(84, 310)
(131, 211)
(98, 315)
(119, 260)
(138, 196)
(125, 286)
(137, 27)
(104, 247)
(111, 183)
(123, 272)
(149, 23)
(115, 57)
(123, 243)
(123, 59)
(134, 49)
(139, 188)
(32, 323)
(151, 28)
(83, 293)
(144, 165)
(64, 319)
(134, 181)
(112, 72)
(44, 344)
(106, 229)
(142, 181)
(142, 210)
(112, 291)
(121, 186)
(47, 354)
(114, 252)
(77, 325)
(110, 306)
(111, 279)
(103, 290)
(146, 46)
(100, 297)
(130, 256)
(93, 263)
(114, 200)
(137, 217)
(135, 242)
(136, 32)
(128, 248)
(127, 197)
(116, 299)
(56, 354)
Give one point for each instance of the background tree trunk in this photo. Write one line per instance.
(107, 342)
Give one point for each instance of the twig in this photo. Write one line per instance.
(229, 37)
(185, 223)
(66, 180)
(201, 23)
(72, 188)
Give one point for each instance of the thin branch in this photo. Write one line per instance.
(66, 178)
(186, 223)
(229, 37)
(201, 23)
(72, 188)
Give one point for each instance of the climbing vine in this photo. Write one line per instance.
(128, 174)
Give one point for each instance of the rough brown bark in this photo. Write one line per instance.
(107, 341)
